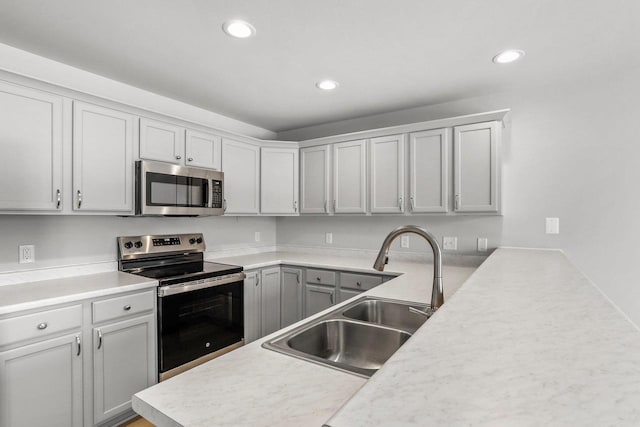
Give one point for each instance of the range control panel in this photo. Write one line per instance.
(158, 244)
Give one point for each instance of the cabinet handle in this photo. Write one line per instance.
(99, 339)
(178, 157)
(325, 207)
(58, 198)
(224, 205)
(334, 205)
(400, 204)
(298, 278)
(411, 203)
(295, 206)
(190, 159)
(79, 199)
(257, 280)
(127, 307)
(42, 325)
(358, 284)
(79, 345)
(331, 297)
(318, 279)
(457, 201)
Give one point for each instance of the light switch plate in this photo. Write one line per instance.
(552, 225)
(328, 238)
(404, 241)
(27, 254)
(450, 243)
(257, 236)
(482, 244)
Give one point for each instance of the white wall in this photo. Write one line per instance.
(67, 240)
(574, 154)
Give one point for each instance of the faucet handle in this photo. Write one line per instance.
(386, 260)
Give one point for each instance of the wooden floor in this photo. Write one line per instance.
(137, 422)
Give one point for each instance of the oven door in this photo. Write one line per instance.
(195, 323)
(166, 189)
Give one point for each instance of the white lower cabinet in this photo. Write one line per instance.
(318, 298)
(252, 307)
(41, 384)
(290, 296)
(270, 290)
(123, 364)
(49, 366)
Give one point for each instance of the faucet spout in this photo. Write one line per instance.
(437, 292)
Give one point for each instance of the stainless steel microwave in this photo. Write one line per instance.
(172, 190)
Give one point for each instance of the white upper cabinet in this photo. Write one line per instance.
(315, 178)
(161, 141)
(241, 167)
(350, 177)
(279, 181)
(103, 141)
(386, 178)
(203, 150)
(31, 149)
(428, 171)
(476, 167)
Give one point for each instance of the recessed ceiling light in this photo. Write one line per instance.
(508, 56)
(327, 84)
(238, 29)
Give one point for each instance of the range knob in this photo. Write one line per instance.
(192, 241)
(199, 240)
(128, 245)
(138, 244)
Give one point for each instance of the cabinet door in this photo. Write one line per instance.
(161, 141)
(30, 149)
(428, 174)
(476, 167)
(318, 298)
(279, 181)
(270, 278)
(203, 150)
(345, 294)
(241, 167)
(290, 296)
(41, 384)
(349, 177)
(252, 307)
(124, 362)
(102, 159)
(387, 174)
(314, 179)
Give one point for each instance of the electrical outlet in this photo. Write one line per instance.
(257, 236)
(482, 244)
(27, 253)
(404, 241)
(328, 238)
(552, 225)
(450, 243)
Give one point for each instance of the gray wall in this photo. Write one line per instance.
(574, 154)
(63, 240)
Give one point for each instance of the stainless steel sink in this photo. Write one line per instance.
(356, 338)
(388, 313)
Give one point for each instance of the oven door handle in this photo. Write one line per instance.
(180, 288)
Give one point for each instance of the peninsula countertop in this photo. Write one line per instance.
(527, 340)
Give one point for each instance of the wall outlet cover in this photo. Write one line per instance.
(328, 238)
(404, 241)
(450, 243)
(552, 225)
(482, 244)
(27, 254)
(257, 236)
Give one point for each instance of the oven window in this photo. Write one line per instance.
(172, 190)
(196, 323)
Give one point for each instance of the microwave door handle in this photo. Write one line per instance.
(210, 201)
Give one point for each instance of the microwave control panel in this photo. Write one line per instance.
(216, 198)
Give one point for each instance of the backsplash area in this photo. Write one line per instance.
(71, 240)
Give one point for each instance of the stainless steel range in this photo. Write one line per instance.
(200, 303)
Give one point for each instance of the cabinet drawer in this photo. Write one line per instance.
(40, 324)
(123, 306)
(361, 282)
(321, 277)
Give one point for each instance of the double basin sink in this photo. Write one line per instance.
(357, 338)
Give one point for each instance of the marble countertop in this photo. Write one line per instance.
(527, 341)
(43, 293)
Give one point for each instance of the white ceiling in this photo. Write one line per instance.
(387, 55)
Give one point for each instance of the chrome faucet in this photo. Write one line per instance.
(437, 293)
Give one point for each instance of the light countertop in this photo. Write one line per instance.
(527, 341)
(31, 295)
